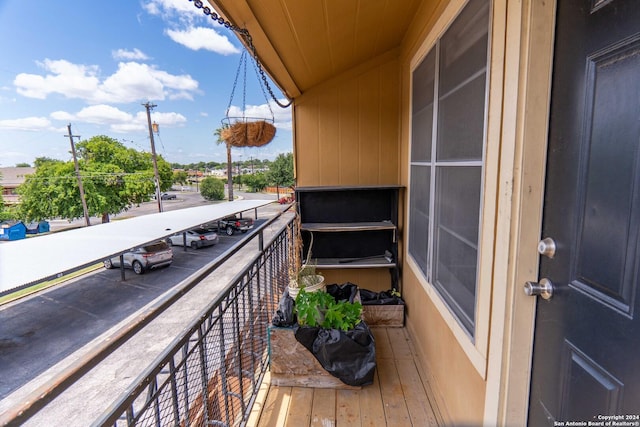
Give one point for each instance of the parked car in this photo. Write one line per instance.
(144, 258)
(196, 238)
(167, 196)
(232, 224)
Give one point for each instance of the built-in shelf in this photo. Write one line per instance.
(336, 227)
(332, 263)
(350, 227)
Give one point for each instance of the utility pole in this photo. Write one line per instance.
(75, 162)
(153, 154)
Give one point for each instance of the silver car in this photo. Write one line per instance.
(196, 238)
(144, 258)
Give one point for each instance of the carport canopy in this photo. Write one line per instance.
(37, 259)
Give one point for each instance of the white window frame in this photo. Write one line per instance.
(476, 347)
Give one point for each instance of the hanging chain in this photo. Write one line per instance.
(255, 69)
(235, 82)
(244, 33)
(244, 88)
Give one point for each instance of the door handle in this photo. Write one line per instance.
(544, 288)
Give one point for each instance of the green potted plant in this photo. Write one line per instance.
(320, 309)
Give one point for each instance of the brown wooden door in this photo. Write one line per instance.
(586, 361)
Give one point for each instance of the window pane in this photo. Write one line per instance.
(461, 123)
(456, 240)
(422, 109)
(461, 85)
(455, 273)
(463, 48)
(419, 219)
(458, 200)
(421, 127)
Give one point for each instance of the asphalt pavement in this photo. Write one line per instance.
(43, 333)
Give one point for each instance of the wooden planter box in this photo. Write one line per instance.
(292, 365)
(389, 316)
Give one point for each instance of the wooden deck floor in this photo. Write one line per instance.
(399, 395)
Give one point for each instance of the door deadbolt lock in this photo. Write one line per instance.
(547, 247)
(544, 288)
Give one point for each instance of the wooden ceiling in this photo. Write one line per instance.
(302, 43)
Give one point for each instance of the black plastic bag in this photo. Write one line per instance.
(368, 297)
(345, 292)
(284, 315)
(349, 356)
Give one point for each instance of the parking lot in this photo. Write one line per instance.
(39, 331)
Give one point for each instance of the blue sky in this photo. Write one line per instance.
(93, 65)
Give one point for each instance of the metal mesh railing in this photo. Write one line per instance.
(211, 374)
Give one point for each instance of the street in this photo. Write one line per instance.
(39, 331)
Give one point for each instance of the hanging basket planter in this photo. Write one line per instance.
(248, 133)
(242, 131)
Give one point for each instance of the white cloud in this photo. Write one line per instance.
(178, 87)
(168, 8)
(71, 80)
(62, 116)
(135, 54)
(168, 119)
(132, 82)
(119, 121)
(103, 114)
(185, 26)
(27, 124)
(129, 127)
(283, 119)
(196, 38)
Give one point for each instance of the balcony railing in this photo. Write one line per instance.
(210, 374)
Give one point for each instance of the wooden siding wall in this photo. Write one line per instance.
(347, 130)
(376, 280)
(347, 133)
(459, 390)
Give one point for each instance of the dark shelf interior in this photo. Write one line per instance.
(353, 224)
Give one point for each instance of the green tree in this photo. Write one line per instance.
(212, 188)
(6, 212)
(40, 198)
(180, 177)
(23, 165)
(41, 160)
(256, 182)
(114, 178)
(281, 171)
(238, 180)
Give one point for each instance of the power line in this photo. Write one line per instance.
(89, 175)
